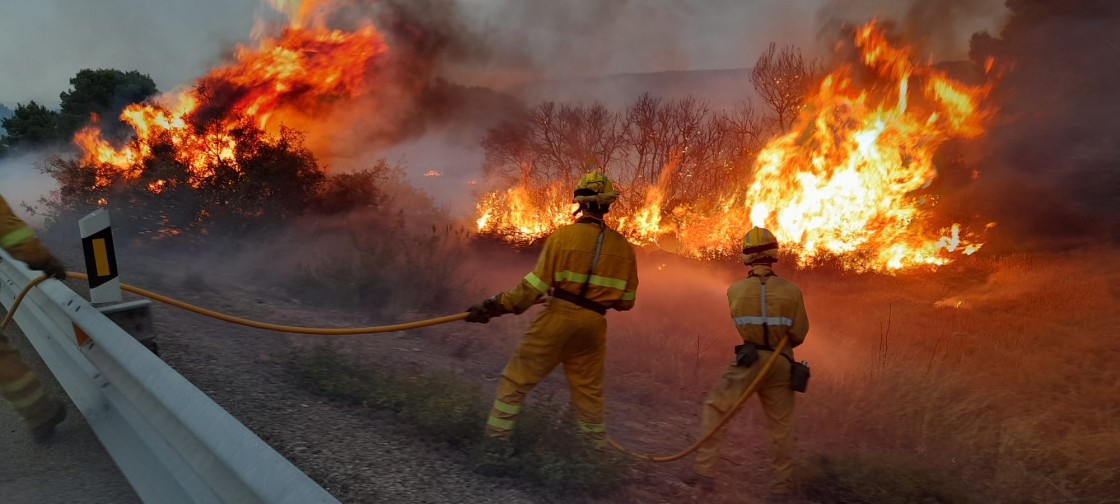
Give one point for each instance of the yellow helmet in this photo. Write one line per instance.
(595, 189)
(759, 246)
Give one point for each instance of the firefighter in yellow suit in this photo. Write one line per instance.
(585, 268)
(18, 384)
(765, 308)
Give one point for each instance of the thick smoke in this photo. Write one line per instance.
(407, 92)
(1052, 171)
(452, 58)
(937, 28)
(23, 183)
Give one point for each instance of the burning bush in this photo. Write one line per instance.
(663, 155)
(849, 177)
(262, 178)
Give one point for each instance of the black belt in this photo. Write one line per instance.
(579, 301)
(769, 348)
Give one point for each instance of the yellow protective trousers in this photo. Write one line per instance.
(21, 387)
(777, 404)
(562, 334)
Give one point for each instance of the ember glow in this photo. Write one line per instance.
(843, 180)
(279, 78)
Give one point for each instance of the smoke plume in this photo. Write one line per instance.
(23, 184)
(1051, 175)
(939, 28)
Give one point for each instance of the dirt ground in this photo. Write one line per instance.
(990, 374)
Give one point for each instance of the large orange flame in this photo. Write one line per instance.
(298, 69)
(841, 182)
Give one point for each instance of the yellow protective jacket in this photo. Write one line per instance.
(566, 263)
(783, 314)
(18, 240)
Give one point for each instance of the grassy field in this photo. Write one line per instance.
(993, 380)
(989, 380)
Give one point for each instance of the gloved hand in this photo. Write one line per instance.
(52, 267)
(482, 313)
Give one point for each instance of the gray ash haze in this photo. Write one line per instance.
(492, 42)
(22, 182)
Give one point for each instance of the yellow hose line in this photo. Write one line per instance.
(251, 323)
(19, 299)
(404, 327)
(723, 421)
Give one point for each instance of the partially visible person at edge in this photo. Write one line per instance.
(18, 384)
(585, 268)
(765, 308)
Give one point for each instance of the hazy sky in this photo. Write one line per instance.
(45, 42)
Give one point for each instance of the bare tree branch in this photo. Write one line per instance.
(783, 79)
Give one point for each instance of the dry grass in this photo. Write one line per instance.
(987, 381)
(997, 375)
(545, 450)
(387, 266)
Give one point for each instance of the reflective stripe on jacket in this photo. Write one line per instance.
(566, 263)
(785, 308)
(17, 239)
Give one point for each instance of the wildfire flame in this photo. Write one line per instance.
(841, 181)
(279, 77)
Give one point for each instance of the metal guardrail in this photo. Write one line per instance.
(172, 442)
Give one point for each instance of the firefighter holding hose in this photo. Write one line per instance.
(765, 308)
(585, 269)
(18, 383)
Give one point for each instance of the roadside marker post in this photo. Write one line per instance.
(135, 317)
(101, 258)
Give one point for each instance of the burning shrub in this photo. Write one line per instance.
(262, 178)
(663, 154)
(849, 177)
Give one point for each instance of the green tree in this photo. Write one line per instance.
(104, 92)
(5, 112)
(31, 125)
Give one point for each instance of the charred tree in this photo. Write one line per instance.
(783, 79)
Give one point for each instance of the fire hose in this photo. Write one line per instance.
(750, 390)
(243, 321)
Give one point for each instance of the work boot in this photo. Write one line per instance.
(706, 484)
(54, 413)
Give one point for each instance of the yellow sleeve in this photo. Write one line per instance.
(535, 284)
(18, 240)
